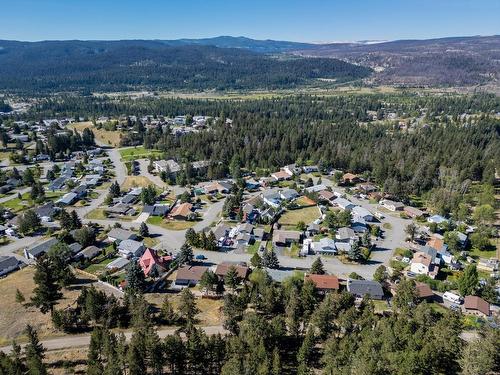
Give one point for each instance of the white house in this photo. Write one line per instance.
(362, 212)
(344, 204)
(130, 248)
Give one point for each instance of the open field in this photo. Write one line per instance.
(135, 181)
(210, 309)
(306, 214)
(476, 253)
(107, 137)
(14, 317)
(170, 224)
(17, 205)
(96, 214)
(139, 152)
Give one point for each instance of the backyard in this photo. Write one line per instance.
(292, 217)
(139, 152)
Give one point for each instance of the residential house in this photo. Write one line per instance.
(119, 234)
(358, 225)
(288, 194)
(286, 237)
(324, 283)
(344, 204)
(8, 264)
(437, 219)
(67, 199)
(152, 264)
(292, 169)
(310, 168)
(367, 188)
(58, 183)
(326, 196)
(75, 248)
(272, 197)
(118, 264)
(392, 205)
(80, 191)
(47, 212)
(350, 178)
(488, 265)
(312, 229)
(241, 269)
(413, 212)
(282, 175)
(169, 166)
(345, 234)
(361, 288)
(189, 275)
(476, 306)
(36, 251)
(362, 212)
(120, 209)
(325, 246)
(221, 232)
(221, 187)
(129, 199)
(156, 209)
(89, 253)
(421, 264)
(316, 188)
(181, 211)
(130, 248)
(437, 243)
(424, 292)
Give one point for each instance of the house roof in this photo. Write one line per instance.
(477, 303)
(423, 290)
(223, 267)
(47, 210)
(349, 176)
(282, 236)
(324, 281)
(221, 230)
(190, 273)
(423, 258)
(183, 209)
(118, 263)
(326, 194)
(7, 262)
(281, 175)
(150, 258)
(435, 243)
(361, 212)
(75, 247)
(345, 233)
(121, 234)
(42, 247)
(363, 287)
(343, 203)
(90, 252)
(130, 246)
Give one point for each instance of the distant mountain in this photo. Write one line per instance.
(262, 46)
(454, 61)
(141, 64)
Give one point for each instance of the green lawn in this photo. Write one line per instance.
(170, 224)
(292, 217)
(97, 214)
(476, 253)
(97, 268)
(252, 249)
(138, 152)
(292, 251)
(17, 205)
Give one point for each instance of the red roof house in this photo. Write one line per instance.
(152, 264)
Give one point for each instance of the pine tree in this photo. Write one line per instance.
(209, 281)
(192, 237)
(468, 281)
(256, 260)
(231, 278)
(355, 252)
(65, 220)
(293, 313)
(211, 242)
(270, 260)
(317, 267)
(75, 220)
(144, 230)
(276, 366)
(114, 190)
(47, 290)
(167, 312)
(186, 254)
(34, 353)
(19, 297)
(95, 351)
(187, 307)
(136, 282)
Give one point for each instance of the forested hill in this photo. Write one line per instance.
(131, 65)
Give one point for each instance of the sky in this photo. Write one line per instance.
(304, 20)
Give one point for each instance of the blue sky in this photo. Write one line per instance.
(306, 20)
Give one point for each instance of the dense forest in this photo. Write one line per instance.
(444, 151)
(133, 65)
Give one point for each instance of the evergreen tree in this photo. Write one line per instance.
(355, 252)
(114, 190)
(468, 281)
(406, 296)
(211, 244)
(65, 220)
(28, 222)
(144, 230)
(209, 281)
(231, 278)
(20, 297)
(136, 282)
(276, 365)
(270, 260)
(256, 260)
(186, 254)
(75, 220)
(317, 267)
(380, 274)
(187, 307)
(34, 353)
(167, 312)
(47, 290)
(293, 313)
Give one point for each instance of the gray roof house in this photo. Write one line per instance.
(37, 251)
(8, 264)
(46, 212)
(90, 252)
(325, 246)
(360, 288)
(130, 248)
(157, 209)
(345, 234)
(344, 204)
(118, 264)
(119, 234)
(67, 199)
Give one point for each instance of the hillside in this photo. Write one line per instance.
(460, 61)
(131, 65)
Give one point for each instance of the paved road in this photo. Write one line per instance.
(76, 341)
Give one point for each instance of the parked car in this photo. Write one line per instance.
(200, 257)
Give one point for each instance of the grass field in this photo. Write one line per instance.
(97, 214)
(98, 268)
(139, 152)
(170, 224)
(305, 202)
(252, 249)
(17, 205)
(476, 253)
(150, 242)
(209, 315)
(111, 138)
(135, 181)
(14, 317)
(292, 217)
